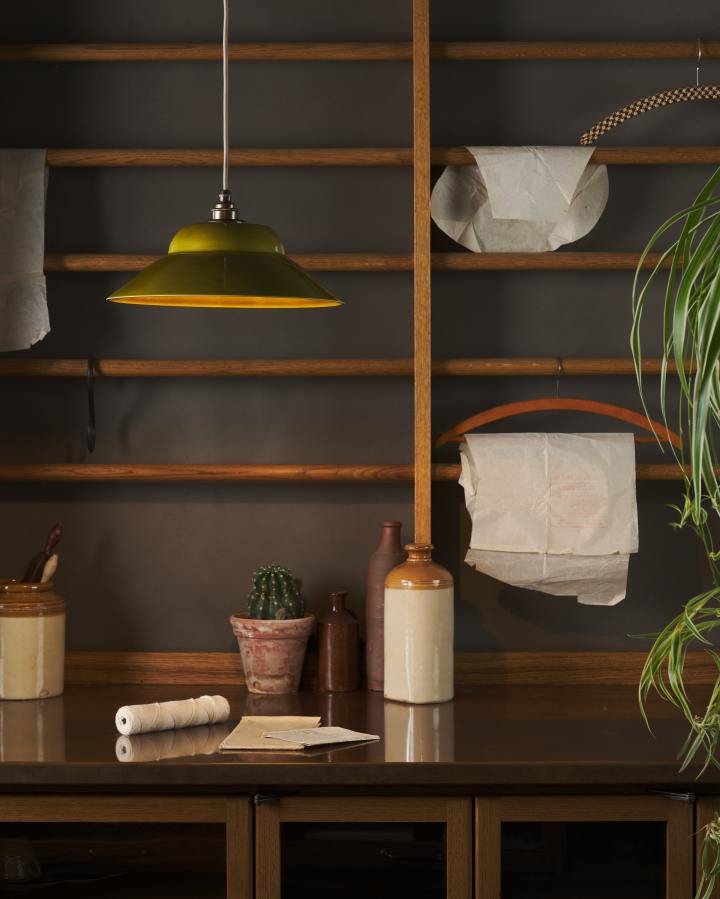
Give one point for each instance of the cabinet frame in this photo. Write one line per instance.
(491, 813)
(454, 813)
(706, 808)
(234, 812)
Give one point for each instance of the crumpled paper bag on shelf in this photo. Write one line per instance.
(24, 318)
(553, 512)
(520, 199)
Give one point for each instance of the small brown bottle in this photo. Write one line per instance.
(338, 647)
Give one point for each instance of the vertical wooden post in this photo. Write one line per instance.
(421, 206)
(239, 851)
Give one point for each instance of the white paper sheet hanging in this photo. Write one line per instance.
(24, 318)
(553, 512)
(520, 199)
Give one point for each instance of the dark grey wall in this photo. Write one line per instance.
(161, 566)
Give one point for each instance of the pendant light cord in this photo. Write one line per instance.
(226, 91)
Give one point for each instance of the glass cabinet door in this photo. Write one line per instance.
(380, 848)
(591, 847)
(116, 847)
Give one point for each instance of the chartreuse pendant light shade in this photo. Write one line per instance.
(228, 265)
(224, 262)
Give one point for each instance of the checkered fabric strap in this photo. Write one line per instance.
(664, 98)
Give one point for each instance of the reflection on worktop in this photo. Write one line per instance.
(32, 730)
(419, 733)
(495, 735)
(171, 744)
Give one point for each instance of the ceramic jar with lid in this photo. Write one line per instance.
(419, 629)
(32, 641)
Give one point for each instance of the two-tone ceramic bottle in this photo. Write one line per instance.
(419, 629)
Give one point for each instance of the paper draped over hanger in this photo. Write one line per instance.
(24, 318)
(520, 199)
(553, 512)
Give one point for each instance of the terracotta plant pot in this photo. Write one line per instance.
(272, 652)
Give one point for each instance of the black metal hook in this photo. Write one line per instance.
(91, 429)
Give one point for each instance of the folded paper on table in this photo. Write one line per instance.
(553, 512)
(24, 318)
(321, 736)
(250, 732)
(520, 199)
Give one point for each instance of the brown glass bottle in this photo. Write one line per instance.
(338, 647)
(387, 556)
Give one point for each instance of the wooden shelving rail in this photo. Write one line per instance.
(541, 366)
(98, 472)
(346, 156)
(358, 51)
(383, 262)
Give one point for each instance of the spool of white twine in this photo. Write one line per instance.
(141, 719)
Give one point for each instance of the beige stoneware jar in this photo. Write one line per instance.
(419, 629)
(32, 641)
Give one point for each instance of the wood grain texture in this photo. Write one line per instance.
(459, 848)
(706, 809)
(382, 262)
(327, 262)
(204, 52)
(558, 404)
(422, 337)
(492, 812)
(267, 851)
(115, 809)
(471, 668)
(455, 813)
(206, 368)
(108, 472)
(98, 472)
(607, 156)
(345, 156)
(576, 50)
(239, 840)
(350, 51)
(19, 367)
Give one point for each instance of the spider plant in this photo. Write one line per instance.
(687, 274)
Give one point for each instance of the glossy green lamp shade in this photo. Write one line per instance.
(229, 265)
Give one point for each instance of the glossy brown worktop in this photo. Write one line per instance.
(488, 739)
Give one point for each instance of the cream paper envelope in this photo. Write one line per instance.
(250, 732)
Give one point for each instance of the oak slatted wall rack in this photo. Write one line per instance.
(421, 156)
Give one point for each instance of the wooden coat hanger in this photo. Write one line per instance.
(554, 404)
(654, 101)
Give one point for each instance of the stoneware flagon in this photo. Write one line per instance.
(387, 556)
(419, 629)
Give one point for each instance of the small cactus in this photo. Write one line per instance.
(275, 594)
